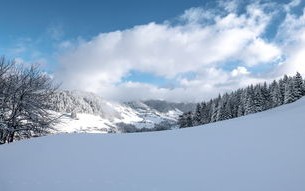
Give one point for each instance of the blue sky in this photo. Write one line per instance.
(86, 18)
(186, 50)
(43, 22)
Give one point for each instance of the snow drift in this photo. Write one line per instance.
(263, 151)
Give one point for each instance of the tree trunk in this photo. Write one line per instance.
(2, 136)
(11, 137)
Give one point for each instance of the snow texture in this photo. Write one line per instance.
(263, 151)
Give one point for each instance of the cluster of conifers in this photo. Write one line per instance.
(244, 101)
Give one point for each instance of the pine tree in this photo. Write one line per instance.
(297, 86)
(240, 111)
(182, 121)
(204, 118)
(207, 113)
(282, 85)
(189, 119)
(215, 108)
(258, 100)
(266, 96)
(289, 91)
(275, 94)
(241, 106)
(249, 104)
(303, 88)
(197, 115)
(224, 109)
(235, 102)
(228, 110)
(220, 111)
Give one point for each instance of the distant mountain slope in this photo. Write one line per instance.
(164, 106)
(262, 151)
(87, 112)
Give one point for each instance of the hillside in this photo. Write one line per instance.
(96, 115)
(263, 151)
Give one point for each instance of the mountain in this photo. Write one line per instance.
(88, 112)
(262, 151)
(164, 106)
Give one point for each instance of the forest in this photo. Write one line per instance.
(244, 101)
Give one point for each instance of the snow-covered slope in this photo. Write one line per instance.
(96, 115)
(259, 152)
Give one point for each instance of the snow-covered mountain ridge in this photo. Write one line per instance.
(87, 112)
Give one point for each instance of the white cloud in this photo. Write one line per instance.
(240, 70)
(260, 52)
(292, 37)
(170, 51)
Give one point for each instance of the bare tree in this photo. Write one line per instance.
(24, 101)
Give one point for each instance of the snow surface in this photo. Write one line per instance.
(259, 152)
(83, 123)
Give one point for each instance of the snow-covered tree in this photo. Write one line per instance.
(242, 103)
(275, 94)
(206, 112)
(215, 108)
(266, 96)
(303, 87)
(254, 98)
(182, 120)
(289, 92)
(197, 115)
(224, 109)
(283, 82)
(24, 96)
(236, 102)
(186, 120)
(249, 102)
(189, 119)
(258, 100)
(297, 86)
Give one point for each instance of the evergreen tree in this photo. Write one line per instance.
(224, 109)
(220, 111)
(258, 100)
(297, 86)
(207, 112)
(266, 97)
(303, 88)
(282, 85)
(197, 115)
(249, 103)
(243, 100)
(289, 92)
(275, 94)
(182, 120)
(215, 108)
(235, 102)
(204, 118)
(228, 110)
(246, 101)
(189, 119)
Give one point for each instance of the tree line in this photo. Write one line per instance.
(244, 101)
(24, 101)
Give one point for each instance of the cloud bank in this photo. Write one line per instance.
(204, 52)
